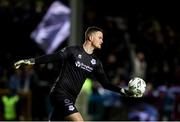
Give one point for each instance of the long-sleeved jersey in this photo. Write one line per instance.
(77, 65)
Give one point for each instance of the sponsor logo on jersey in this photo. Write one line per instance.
(83, 66)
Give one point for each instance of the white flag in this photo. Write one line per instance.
(54, 27)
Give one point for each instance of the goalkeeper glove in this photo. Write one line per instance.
(128, 93)
(26, 61)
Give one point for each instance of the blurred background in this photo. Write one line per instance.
(139, 40)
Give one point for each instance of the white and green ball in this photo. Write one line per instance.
(137, 86)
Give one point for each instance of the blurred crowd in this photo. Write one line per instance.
(136, 43)
(144, 44)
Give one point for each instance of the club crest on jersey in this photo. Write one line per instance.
(71, 108)
(93, 61)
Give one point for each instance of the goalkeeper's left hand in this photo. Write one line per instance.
(20, 62)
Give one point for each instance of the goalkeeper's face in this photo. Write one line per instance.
(97, 39)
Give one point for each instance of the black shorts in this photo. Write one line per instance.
(62, 107)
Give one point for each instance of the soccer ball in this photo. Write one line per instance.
(137, 86)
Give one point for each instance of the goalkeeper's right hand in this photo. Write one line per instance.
(128, 93)
(26, 61)
(131, 94)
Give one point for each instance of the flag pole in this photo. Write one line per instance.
(76, 36)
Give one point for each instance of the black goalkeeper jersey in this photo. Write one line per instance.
(77, 65)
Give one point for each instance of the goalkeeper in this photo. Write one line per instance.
(78, 63)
